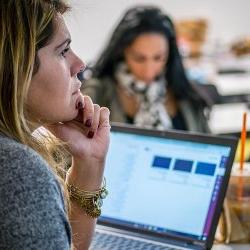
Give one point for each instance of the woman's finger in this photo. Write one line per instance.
(104, 117)
(57, 130)
(80, 106)
(88, 111)
(95, 122)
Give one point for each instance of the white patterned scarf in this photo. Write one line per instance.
(151, 96)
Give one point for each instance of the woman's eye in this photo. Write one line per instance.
(159, 58)
(63, 53)
(139, 59)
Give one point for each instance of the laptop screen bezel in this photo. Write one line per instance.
(191, 137)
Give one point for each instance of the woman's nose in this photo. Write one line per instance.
(77, 66)
(149, 72)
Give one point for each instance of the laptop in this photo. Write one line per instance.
(166, 189)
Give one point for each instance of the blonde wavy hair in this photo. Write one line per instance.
(26, 26)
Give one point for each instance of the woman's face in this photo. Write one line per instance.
(55, 90)
(147, 56)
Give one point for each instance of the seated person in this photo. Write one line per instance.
(140, 77)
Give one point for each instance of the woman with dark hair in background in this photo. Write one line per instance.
(140, 77)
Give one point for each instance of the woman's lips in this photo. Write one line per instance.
(78, 85)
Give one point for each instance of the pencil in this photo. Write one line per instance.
(243, 140)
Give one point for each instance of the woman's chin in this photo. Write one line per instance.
(69, 117)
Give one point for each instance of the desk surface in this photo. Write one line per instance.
(227, 118)
(233, 84)
(205, 70)
(231, 247)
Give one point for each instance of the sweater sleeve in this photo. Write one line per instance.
(32, 209)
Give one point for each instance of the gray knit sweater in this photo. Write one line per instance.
(32, 210)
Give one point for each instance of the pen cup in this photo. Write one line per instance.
(238, 196)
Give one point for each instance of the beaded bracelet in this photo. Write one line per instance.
(90, 201)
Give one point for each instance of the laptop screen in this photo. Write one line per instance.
(162, 184)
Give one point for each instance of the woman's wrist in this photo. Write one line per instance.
(86, 174)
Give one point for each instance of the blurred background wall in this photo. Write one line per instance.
(91, 21)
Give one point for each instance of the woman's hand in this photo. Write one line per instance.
(87, 137)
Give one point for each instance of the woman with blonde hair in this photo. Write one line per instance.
(39, 87)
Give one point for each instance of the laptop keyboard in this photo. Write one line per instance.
(103, 241)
